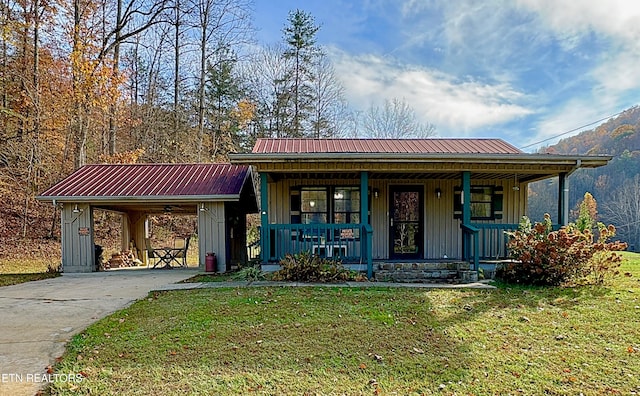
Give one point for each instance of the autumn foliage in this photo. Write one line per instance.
(569, 255)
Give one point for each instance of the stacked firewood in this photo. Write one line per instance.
(122, 259)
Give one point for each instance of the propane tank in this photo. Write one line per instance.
(210, 262)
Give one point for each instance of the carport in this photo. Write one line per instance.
(220, 195)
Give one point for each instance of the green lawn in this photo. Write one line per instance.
(330, 340)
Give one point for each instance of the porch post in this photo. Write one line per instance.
(466, 197)
(364, 219)
(265, 243)
(466, 213)
(563, 199)
(364, 197)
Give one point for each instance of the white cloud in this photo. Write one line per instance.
(616, 21)
(615, 18)
(457, 107)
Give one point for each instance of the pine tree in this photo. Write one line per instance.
(300, 38)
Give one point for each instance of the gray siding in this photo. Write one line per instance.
(442, 234)
(211, 234)
(77, 241)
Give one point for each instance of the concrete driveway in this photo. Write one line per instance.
(38, 318)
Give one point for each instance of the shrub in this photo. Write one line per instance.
(307, 267)
(251, 274)
(547, 257)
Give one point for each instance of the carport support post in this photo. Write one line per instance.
(265, 243)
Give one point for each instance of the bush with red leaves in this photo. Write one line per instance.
(546, 257)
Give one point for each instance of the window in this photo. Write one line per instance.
(485, 204)
(310, 205)
(314, 206)
(346, 205)
(481, 203)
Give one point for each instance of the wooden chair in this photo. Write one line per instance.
(151, 253)
(183, 244)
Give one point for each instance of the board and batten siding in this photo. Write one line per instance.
(212, 235)
(442, 233)
(78, 247)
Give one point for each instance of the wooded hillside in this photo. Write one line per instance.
(616, 187)
(163, 81)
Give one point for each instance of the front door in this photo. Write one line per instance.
(405, 222)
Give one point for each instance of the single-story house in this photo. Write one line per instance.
(220, 195)
(398, 200)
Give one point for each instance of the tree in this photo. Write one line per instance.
(300, 39)
(95, 77)
(623, 209)
(222, 24)
(266, 77)
(330, 111)
(394, 119)
(223, 95)
(588, 213)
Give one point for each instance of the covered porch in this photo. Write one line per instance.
(367, 202)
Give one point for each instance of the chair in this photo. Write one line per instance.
(151, 252)
(183, 245)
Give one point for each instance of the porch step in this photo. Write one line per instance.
(429, 272)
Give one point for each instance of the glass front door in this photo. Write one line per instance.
(406, 222)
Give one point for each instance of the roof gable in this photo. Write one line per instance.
(384, 146)
(151, 180)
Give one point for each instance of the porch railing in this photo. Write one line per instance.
(485, 241)
(346, 242)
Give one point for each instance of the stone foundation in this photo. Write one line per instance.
(426, 272)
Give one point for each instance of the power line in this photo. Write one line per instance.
(573, 130)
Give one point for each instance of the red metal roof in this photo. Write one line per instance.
(384, 146)
(151, 180)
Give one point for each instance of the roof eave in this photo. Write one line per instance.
(142, 199)
(582, 161)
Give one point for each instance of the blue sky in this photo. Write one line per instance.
(521, 70)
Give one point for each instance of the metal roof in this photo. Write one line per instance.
(149, 181)
(384, 146)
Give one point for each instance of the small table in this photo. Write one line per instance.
(167, 255)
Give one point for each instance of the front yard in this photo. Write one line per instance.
(330, 340)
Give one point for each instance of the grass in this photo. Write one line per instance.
(14, 279)
(15, 271)
(331, 340)
(216, 277)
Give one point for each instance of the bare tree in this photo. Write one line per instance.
(222, 24)
(330, 110)
(93, 43)
(394, 119)
(623, 211)
(266, 78)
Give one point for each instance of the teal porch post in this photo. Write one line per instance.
(563, 199)
(466, 197)
(466, 213)
(364, 220)
(265, 243)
